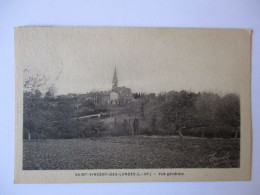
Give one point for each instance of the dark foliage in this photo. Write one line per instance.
(174, 113)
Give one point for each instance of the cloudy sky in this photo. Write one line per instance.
(79, 60)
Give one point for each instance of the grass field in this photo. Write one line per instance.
(130, 152)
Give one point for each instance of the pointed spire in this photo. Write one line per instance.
(115, 80)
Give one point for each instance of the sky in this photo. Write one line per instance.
(80, 60)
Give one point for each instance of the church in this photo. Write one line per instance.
(116, 96)
(119, 95)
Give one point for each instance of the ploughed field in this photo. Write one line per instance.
(130, 152)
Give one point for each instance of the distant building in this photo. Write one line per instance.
(113, 98)
(116, 96)
(119, 95)
(115, 81)
(101, 97)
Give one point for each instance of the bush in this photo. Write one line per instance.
(146, 131)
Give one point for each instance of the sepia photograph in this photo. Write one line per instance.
(103, 98)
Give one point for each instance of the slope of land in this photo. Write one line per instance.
(130, 152)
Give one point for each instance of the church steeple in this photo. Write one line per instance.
(115, 80)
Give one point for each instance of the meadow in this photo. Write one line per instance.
(130, 152)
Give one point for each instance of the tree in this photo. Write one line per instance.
(154, 123)
(130, 111)
(206, 106)
(179, 111)
(30, 105)
(142, 110)
(95, 127)
(228, 112)
(136, 126)
(125, 127)
(63, 110)
(50, 93)
(35, 113)
(37, 116)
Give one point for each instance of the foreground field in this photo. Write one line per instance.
(130, 152)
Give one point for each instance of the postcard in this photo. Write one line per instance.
(132, 104)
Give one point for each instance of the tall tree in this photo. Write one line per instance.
(228, 112)
(154, 123)
(179, 111)
(206, 107)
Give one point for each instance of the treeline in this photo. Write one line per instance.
(195, 114)
(174, 113)
(46, 116)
